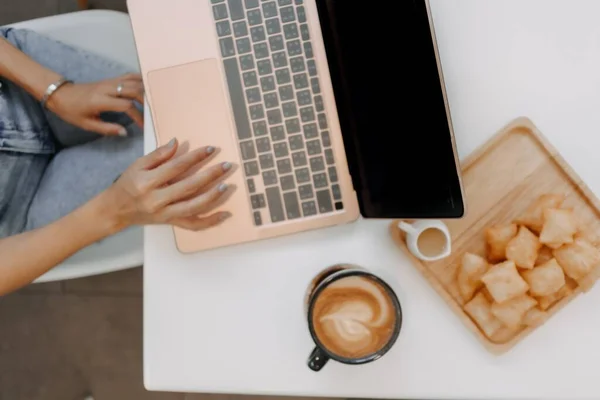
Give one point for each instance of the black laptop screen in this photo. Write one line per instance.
(391, 107)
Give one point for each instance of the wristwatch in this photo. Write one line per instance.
(53, 87)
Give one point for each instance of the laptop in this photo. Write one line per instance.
(331, 109)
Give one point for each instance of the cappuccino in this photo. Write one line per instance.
(354, 317)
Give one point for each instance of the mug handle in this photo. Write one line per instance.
(317, 359)
(406, 227)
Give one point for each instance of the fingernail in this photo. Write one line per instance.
(224, 216)
(222, 187)
(227, 166)
(210, 150)
(122, 131)
(171, 143)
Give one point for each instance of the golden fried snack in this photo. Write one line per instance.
(533, 218)
(591, 233)
(504, 282)
(534, 317)
(511, 312)
(469, 276)
(545, 279)
(497, 237)
(577, 259)
(559, 227)
(544, 255)
(546, 302)
(479, 308)
(523, 249)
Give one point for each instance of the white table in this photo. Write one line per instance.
(231, 320)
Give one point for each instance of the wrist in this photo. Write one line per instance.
(107, 213)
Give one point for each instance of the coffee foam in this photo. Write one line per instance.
(354, 317)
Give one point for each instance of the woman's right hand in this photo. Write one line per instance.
(158, 189)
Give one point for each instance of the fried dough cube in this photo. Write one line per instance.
(544, 255)
(588, 281)
(523, 249)
(511, 312)
(479, 308)
(497, 237)
(591, 233)
(577, 259)
(533, 218)
(559, 227)
(534, 317)
(470, 272)
(504, 282)
(545, 279)
(546, 302)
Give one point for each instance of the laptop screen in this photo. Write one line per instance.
(391, 108)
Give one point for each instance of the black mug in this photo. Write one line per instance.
(321, 355)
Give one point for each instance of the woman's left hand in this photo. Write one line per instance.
(80, 104)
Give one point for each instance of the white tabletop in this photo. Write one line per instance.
(231, 320)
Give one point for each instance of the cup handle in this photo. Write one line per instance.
(317, 359)
(406, 227)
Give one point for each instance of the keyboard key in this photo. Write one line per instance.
(312, 67)
(284, 2)
(297, 64)
(280, 60)
(319, 103)
(292, 126)
(286, 93)
(250, 78)
(267, 83)
(339, 205)
(254, 18)
(236, 9)
(305, 191)
(277, 133)
(300, 81)
(310, 131)
(269, 9)
(276, 43)
(287, 182)
(259, 128)
(317, 164)
(302, 175)
(292, 207)
(217, 1)
(271, 100)
(294, 47)
(325, 139)
(307, 114)
(299, 159)
(299, 2)
(274, 116)
(263, 145)
(220, 11)
(289, 109)
(290, 31)
(313, 147)
(251, 185)
(223, 28)
(253, 95)
(261, 50)
(301, 14)
(251, 168)
(304, 97)
(269, 177)
(308, 51)
(251, 3)
(243, 45)
(287, 14)
(316, 88)
(240, 112)
(248, 152)
(284, 166)
(273, 26)
(275, 206)
(258, 34)
(296, 142)
(264, 67)
(337, 193)
(257, 112)
(258, 201)
(309, 208)
(227, 48)
(333, 177)
(320, 180)
(266, 161)
(280, 149)
(324, 200)
(257, 218)
(240, 29)
(322, 121)
(304, 32)
(283, 76)
(247, 62)
(329, 156)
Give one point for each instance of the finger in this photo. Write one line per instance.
(128, 107)
(104, 128)
(197, 205)
(131, 89)
(192, 185)
(179, 165)
(158, 156)
(201, 223)
(130, 76)
(135, 115)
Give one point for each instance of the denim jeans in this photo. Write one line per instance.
(48, 167)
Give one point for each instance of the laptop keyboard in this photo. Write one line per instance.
(278, 108)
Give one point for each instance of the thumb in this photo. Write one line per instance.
(105, 128)
(160, 155)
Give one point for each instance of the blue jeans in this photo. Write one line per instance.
(48, 167)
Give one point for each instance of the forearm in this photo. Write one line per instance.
(29, 255)
(19, 68)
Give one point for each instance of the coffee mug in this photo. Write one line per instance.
(428, 240)
(353, 316)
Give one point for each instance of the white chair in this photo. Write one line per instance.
(107, 33)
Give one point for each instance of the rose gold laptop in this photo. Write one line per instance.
(253, 78)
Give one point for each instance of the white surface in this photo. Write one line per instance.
(107, 33)
(231, 320)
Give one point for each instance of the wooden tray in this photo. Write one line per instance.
(501, 179)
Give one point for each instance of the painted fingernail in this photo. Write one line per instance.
(222, 187)
(227, 166)
(171, 142)
(122, 131)
(210, 150)
(224, 216)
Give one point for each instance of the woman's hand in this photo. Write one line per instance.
(80, 104)
(159, 189)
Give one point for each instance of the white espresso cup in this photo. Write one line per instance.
(428, 240)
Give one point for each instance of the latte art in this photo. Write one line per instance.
(354, 317)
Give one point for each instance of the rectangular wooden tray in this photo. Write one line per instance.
(501, 179)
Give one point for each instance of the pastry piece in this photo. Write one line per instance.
(544, 255)
(590, 233)
(497, 237)
(559, 227)
(479, 308)
(588, 281)
(523, 249)
(545, 279)
(534, 317)
(533, 218)
(577, 259)
(511, 312)
(504, 282)
(546, 302)
(470, 272)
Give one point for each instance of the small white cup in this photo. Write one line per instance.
(413, 232)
